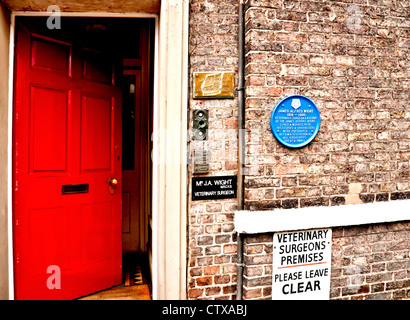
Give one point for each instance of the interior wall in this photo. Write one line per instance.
(4, 78)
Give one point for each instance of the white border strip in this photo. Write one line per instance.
(154, 179)
(321, 217)
(10, 160)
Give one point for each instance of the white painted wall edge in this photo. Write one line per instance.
(321, 217)
(10, 160)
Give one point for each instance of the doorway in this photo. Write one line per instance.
(73, 141)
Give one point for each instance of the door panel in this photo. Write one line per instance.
(126, 199)
(48, 129)
(48, 248)
(96, 146)
(66, 136)
(50, 54)
(96, 67)
(97, 232)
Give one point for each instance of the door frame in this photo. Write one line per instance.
(170, 100)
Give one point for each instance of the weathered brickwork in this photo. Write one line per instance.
(368, 262)
(371, 262)
(352, 58)
(213, 46)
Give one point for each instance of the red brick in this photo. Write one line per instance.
(212, 270)
(204, 281)
(195, 293)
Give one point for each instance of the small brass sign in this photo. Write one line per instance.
(209, 85)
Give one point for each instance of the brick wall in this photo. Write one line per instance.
(352, 59)
(368, 262)
(213, 40)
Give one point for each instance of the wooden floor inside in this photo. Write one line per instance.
(137, 292)
(136, 283)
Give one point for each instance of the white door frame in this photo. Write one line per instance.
(169, 146)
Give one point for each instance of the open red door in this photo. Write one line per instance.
(67, 168)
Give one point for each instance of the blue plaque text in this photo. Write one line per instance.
(295, 121)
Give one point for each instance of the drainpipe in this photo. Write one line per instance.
(241, 141)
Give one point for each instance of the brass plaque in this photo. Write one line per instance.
(209, 85)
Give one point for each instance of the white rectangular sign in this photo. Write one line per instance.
(302, 264)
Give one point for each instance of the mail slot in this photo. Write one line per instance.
(74, 188)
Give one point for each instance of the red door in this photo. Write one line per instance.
(67, 169)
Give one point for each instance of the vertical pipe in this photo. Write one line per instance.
(241, 140)
(240, 266)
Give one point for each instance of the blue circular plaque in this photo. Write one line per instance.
(295, 121)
